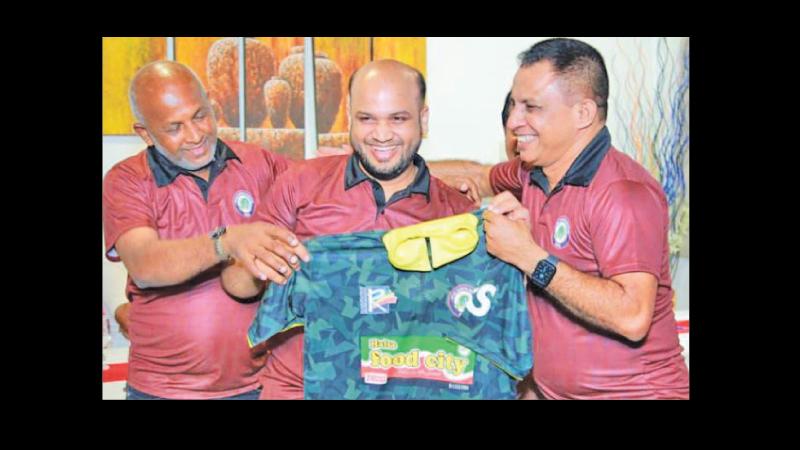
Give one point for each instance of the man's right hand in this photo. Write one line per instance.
(122, 316)
(267, 251)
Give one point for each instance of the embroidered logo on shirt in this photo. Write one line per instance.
(244, 203)
(376, 299)
(561, 233)
(463, 296)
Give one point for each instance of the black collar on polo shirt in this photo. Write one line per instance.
(582, 170)
(165, 171)
(421, 185)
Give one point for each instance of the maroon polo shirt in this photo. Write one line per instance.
(333, 195)
(188, 340)
(607, 216)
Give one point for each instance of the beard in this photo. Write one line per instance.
(186, 165)
(389, 173)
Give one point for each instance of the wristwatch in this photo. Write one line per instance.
(216, 236)
(544, 272)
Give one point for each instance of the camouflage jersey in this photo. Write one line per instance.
(450, 323)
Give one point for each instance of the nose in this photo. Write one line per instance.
(516, 117)
(194, 134)
(382, 132)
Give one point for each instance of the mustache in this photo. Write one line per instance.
(387, 143)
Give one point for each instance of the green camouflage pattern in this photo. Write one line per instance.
(349, 290)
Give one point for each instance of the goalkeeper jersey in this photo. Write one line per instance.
(419, 312)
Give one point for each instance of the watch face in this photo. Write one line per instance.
(543, 273)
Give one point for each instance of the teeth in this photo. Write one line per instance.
(525, 138)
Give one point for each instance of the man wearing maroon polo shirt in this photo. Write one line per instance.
(383, 185)
(174, 214)
(591, 232)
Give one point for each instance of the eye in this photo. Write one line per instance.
(364, 119)
(399, 119)
(531, 108)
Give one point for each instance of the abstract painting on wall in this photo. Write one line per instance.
(274, 83)
(122, 57)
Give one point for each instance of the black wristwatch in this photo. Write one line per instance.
(544, 272)
(215, 236)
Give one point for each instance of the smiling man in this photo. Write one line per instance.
(175, 214)
(384, 184)
(589, 229)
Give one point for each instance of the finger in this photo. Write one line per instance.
(301, 251)
(249, 262)
(504, 203)
(519, 213)
(274, 277)
(269, 273)
(273, 261)
(291, 240)
(283, 251)
(502, 200)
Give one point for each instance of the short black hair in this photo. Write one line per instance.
(506, 109)
(420, 84)
(576, 61)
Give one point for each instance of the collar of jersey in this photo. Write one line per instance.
(450, 238)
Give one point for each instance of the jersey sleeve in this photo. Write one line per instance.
(629, 228)
(279, 206)
(126, 205)
(279, 310)
(508, 176)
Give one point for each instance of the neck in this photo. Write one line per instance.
(556, 171)
(203, 173)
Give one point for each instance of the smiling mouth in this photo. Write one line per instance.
(198, 150)
(383, 153)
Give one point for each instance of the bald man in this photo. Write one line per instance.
(175, 214)
(385, 184)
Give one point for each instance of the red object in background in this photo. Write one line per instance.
(115, 372)
(683, 326)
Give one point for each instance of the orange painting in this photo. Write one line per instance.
(274, 92)
(122, 57)
(409, 50)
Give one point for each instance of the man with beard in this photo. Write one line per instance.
(175, 214)
(384, 184)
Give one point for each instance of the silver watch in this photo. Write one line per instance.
(216, 236)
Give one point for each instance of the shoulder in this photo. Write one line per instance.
(449, 196)
(319, 168)
(624, 180)
(133, 168)
(253, 153)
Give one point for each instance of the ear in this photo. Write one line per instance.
(347, 111)
(141, 130)
(585, 113)
(423, 120)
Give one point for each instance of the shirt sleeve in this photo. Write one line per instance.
(275, 312)
(126, 205)
(508, 176)
(275, 165)
(629, 229)
(280, 203)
